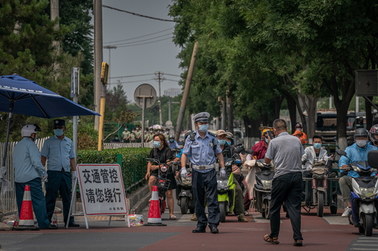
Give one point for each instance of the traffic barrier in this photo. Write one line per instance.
(154, 216)
(26, 221)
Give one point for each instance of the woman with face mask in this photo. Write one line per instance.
(163, 153)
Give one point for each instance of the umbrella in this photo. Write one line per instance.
(22, 96)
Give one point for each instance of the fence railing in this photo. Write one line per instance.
(8, 199)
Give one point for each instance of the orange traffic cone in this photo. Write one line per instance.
(26, 221)
(154, 216)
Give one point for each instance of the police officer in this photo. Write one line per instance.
(29, 171)
(58, 150)
(202, 149)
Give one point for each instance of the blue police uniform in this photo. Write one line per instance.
(202, 156)
(28, 171)
(58, 153)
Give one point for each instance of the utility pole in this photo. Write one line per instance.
(186, 91)
(159, 78)
(99, 89)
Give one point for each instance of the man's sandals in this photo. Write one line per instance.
(273, 240)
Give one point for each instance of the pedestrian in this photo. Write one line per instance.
(202, 149)
(286, 152)
(29, 171)
(58, 151)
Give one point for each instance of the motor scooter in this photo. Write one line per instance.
(319, 189)
(364, 195)
(162, 182)
(185, 195)
(263, 188)
(226, 190)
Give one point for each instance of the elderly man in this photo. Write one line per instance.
(202, 150)
(59, 153)
(29, 171)
(286, 152)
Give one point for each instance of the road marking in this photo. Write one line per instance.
(365, 243)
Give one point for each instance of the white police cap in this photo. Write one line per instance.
(201, 117)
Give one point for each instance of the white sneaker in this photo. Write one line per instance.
(347, 212)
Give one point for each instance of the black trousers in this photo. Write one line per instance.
(59, 182)
(205, 187)
(286, 189)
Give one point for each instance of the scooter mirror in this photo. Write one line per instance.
(373, 158)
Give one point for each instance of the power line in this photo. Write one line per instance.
(133, 38)
(174, 75)
(143, 40)
(137, 14)
(130, 82)
(132, 76)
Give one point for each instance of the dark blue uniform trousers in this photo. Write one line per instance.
(286, 188)
(59, 182)
(38, 200)
(205, 187)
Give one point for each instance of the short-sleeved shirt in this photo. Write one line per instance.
(286, 152)
(202, 151)
(58, 153)
(27, 161)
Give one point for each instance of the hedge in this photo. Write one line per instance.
(132, 162)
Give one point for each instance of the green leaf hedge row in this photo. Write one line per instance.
(132, 161)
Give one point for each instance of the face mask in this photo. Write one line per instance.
(156, 144)
(361, 143)
(227, 143)
(221, 142)
(58, 132)
(317, 145)
(266, 141)
(203, 128)
(171, 140)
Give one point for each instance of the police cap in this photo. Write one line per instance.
(59, 123)
(202, 117)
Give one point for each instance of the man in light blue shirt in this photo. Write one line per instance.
(202, 149)
(59, 153)
(354, 153)
(29, 171)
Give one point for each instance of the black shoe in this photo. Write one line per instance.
(298, 243)
(52, 226)
(199, 230)
(213, 229)
(73, 225)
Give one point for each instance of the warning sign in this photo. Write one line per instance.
(102, 189)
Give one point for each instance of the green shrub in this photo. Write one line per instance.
(132, 161)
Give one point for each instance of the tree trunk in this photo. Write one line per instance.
(230, 113)
(292, 107)
(311, 115)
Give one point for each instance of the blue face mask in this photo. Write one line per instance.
(317, 145)
(221, 142)
(156, 144)
(203, 128)
(58, 132)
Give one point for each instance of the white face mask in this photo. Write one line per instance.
(361, 143)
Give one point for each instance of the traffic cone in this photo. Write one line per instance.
(154, 216)
(26, 221)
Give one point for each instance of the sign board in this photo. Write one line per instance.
(146, 92)
(102, 190)
(366, 83)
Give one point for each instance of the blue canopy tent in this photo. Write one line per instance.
(19, 95)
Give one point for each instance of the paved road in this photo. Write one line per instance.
(326, 233)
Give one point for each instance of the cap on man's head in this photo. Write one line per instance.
(59, 123)
(202, 117)
(221, 132)
(229, 135)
